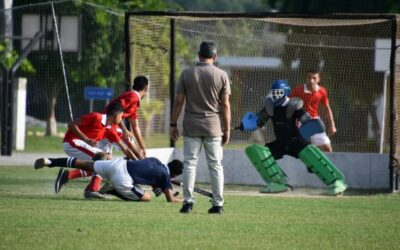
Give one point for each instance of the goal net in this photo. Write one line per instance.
(354, 53)
(353, 56)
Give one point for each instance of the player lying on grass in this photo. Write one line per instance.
(130, 102)
(81, 141)
(123, 175)
(285, 113)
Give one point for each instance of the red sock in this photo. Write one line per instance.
(76, 173)
(94, 184)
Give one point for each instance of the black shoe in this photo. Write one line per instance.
(186, 208)
(216, 210)
(94, 195)
(42, 162)
(62, 179)
(157, 191)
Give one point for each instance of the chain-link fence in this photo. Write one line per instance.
(395, 113)
(352, 52)
(92, 43)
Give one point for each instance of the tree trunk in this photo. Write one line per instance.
(147, 128)
(7, 21)
(51, 124)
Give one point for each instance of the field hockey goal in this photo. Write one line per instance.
(356, 55)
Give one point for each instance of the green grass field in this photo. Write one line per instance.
(34, 217)
(35, 143)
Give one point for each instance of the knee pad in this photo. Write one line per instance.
(262, 159)
(319, 164)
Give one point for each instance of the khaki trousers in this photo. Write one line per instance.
(214, 152)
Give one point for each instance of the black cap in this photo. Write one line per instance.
(208, 49)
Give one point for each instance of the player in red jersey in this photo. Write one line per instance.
(130, 101)
(81, 140)
(313, 94)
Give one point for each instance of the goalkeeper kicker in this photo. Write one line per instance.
(285, 113)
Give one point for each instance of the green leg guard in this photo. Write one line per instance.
(319, 164)
(269, 170)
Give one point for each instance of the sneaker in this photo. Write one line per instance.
(94, 195)
(186, 208)
(42, 162)
(62, 179)
(216, 210)
(106, 188)
(337, 188)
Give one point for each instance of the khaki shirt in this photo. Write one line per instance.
(204, 85)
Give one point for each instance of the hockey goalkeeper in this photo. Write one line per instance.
(285, 114)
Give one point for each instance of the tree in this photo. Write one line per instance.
(9, 57)
(335, 6)
(101, 58)
(223, 5)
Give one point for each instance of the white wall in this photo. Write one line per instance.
(361, 170)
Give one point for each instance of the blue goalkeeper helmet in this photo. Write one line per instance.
(279, 90)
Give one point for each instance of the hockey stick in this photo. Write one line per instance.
(196, 189)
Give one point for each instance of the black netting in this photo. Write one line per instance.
(98, 58)
(256, 51)
(253, 50)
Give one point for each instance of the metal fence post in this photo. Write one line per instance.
(4, 110)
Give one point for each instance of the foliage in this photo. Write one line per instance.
(223, 5)
(34, 217)
(299, 6)
(9, 57)
(101, 58)
(37, 142)
(134, 4)
(349, 6)
(394, 6)
(148, 109)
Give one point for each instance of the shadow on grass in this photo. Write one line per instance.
(58, 198)
(231, 189)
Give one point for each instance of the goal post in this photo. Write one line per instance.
(356, 54)
(394, 153)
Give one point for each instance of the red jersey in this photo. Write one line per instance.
(311, 99)
(113, 133)
(93, 125)
(130, 101)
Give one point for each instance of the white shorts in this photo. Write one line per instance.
(320, 139)
(107, 146)
(116, 173)
(80, 149)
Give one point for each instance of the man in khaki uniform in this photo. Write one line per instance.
(205, 89)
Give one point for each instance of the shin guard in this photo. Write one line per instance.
(319, 164)
(264, 162)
